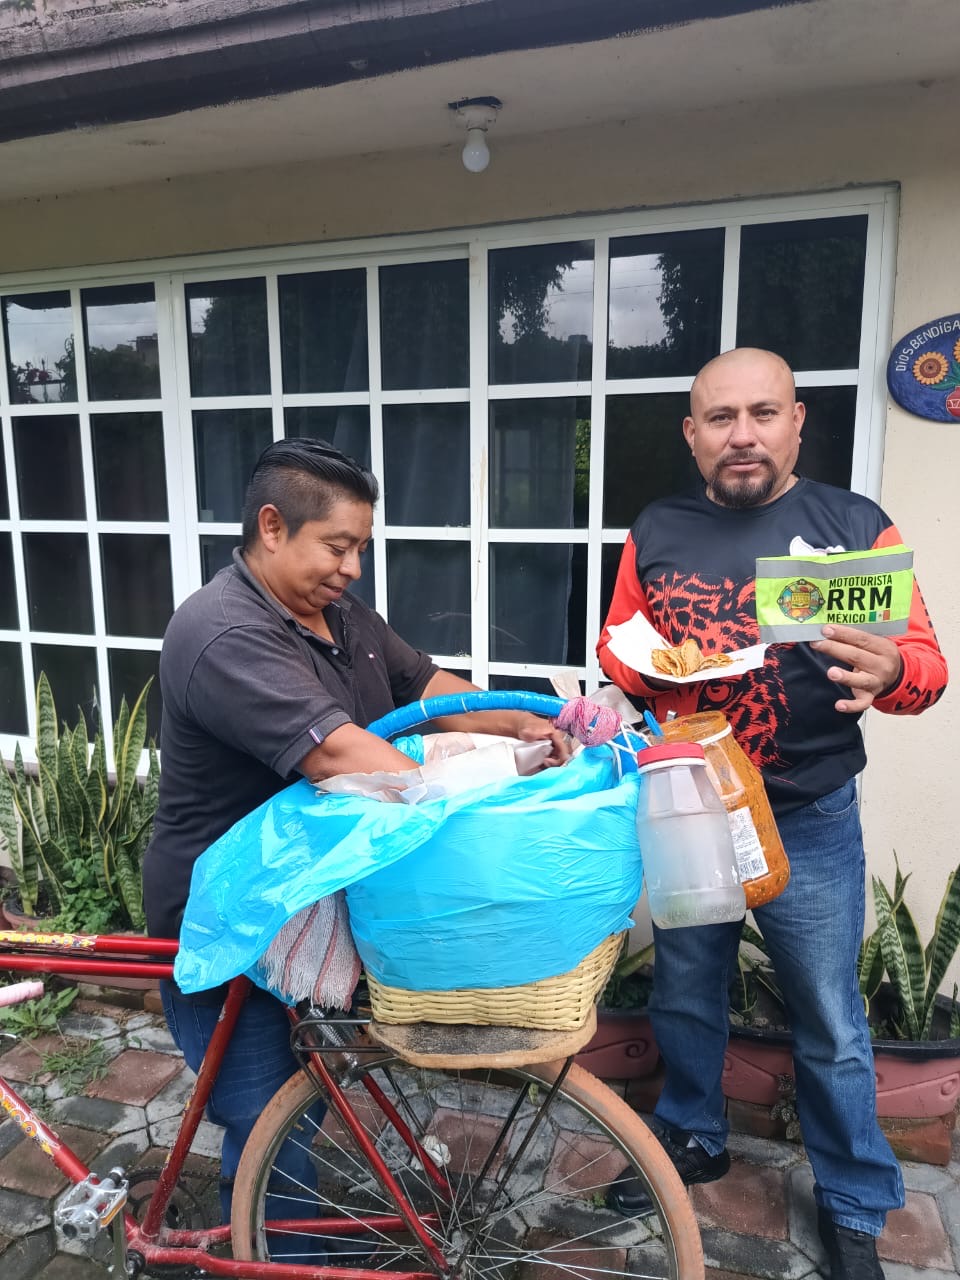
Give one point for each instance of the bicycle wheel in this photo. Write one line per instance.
(493, 1216)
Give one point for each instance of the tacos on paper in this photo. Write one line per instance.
(685, 660)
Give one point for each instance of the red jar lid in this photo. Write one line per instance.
(669, 751)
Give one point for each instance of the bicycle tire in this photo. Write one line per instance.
(554, 1215)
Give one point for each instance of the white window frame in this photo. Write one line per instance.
(183, 527)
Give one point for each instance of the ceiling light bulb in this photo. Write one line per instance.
(476, 115)
(476, 153)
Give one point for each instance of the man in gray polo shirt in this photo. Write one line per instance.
(268, 673)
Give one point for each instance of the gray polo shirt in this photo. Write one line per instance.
(247, 693)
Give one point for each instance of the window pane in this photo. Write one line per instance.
(40, 356)
(365, 586)
(541, 313)
(428, 594)
(128, 466)
(49, 468)
(346, 427)
(58, 582)
(801, 290)
(665, 295)
(215, 554)
(13, 702)
(539, 463)
(4, 499)
(645, 455)
(228, 338)
(129, 672)
(9, 620)
(524, 684)
(538, 602)
(123, 361)
(137, 586)
(323, 331)
(228, 443)
(423, 325)
(426, 464)
(609, 564)
(826, 449)
(72, 673)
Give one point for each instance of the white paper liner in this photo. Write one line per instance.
(634, 641)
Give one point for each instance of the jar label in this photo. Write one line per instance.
(746, 845)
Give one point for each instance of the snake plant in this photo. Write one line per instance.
(904, 1009)
(915, 971)
(73, 829)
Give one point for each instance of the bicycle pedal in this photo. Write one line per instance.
(88, 1207)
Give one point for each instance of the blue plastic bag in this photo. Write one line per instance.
(520, 885)
(503, 885)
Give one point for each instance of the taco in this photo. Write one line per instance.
(685, 660)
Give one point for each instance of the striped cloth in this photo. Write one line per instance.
(313, 957)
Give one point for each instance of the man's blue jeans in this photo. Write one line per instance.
(257, 1062)
(813, 933)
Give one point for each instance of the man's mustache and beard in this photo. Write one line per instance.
(731, 489)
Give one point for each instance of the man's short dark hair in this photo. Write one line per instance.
(303, 478)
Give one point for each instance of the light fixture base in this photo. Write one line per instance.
(477, 115)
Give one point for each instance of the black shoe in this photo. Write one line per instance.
(852, 1254)
(626, 1195)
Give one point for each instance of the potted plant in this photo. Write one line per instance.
(73, 834)
(916, 1031)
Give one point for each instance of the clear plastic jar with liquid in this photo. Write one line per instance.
(689, 864)
(761, 858)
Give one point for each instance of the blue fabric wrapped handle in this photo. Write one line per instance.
(455, 704)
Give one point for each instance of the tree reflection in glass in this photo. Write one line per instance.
(38, 328)
(664, 309)
(120, 324)
(228, 337)
(541, 313)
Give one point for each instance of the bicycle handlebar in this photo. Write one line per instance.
(454, 704)
(20, 991)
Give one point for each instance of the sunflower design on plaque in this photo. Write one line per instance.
(923, 372)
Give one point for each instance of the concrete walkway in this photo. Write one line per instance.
(756, 1222)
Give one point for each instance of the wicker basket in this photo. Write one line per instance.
(562, 1003)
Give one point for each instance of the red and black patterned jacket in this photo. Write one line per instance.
(688, 565)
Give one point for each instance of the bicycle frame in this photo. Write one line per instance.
(150, 1241)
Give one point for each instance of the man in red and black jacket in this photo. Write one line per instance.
(688, 566)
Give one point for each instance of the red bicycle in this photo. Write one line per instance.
(436, 1151)
(446, 1151)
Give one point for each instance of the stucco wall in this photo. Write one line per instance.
(902, 134)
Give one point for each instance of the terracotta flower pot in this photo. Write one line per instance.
(14, 918)
(918, 1087)
(915, 1079)
(623, 1047)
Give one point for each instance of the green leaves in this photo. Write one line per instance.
(39, 1016)
(943, 945)
(23, 861)
(915, 971)
(74, 830)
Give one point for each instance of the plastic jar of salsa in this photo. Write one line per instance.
(761, 858)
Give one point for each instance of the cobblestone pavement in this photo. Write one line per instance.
(756, 1222)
